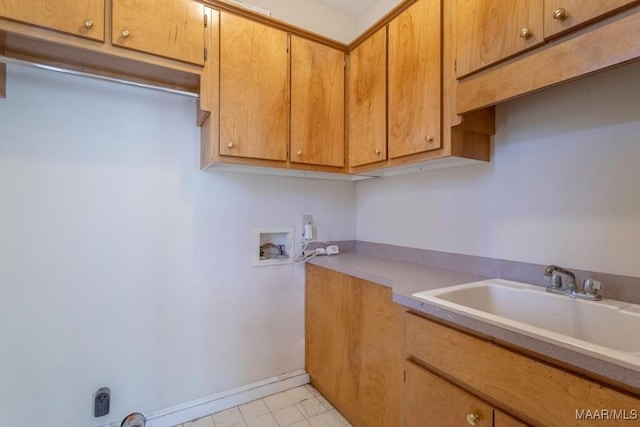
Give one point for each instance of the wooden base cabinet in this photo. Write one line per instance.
(353, 335)
(534, 391)
(431, 401)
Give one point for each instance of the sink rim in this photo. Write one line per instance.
(629, 360)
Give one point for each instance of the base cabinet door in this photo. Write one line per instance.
(431, 401)
(80, 18)
(352, 336)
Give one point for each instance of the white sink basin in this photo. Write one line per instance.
(607, 329)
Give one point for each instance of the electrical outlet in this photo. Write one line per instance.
(307, 227)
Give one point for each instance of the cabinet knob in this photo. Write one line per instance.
(428, 138)
(125, 33)
(88, 23)
(230, 145)
(525, 33)
(473, 419)
(377, 151)
(560, 14)
(299, 153)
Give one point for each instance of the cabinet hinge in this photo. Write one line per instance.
(404, 376)
(205, 53)
(206, 21)
(455, 65)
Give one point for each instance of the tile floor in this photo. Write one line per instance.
(299, 407)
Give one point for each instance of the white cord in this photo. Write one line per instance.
(301, 258)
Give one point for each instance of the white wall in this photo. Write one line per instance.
(373, 14)
(312, 16)
(563, 186)
(124, 265)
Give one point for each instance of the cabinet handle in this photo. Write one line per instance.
(377, 151)
(230, 145)
(299, 153)
(428, 139)
(560, 14)
(125, 33)
(525, 33)
(473, 419)
(88, 23)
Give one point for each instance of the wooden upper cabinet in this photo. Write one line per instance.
(170, 28)
(431, 401)
(489, 31)
(414, 97)
(81, 18)
(563, 15)
(368, 100)
(253, 89)
(317, 103)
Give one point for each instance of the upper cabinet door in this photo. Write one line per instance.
(80, 18)
(317, 103)
(562, 15)
(253, 89)
(415, 80)
(169, 28)
(368, 100)
(488, 31)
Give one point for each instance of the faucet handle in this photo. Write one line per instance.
(555, 280)
(591, 287)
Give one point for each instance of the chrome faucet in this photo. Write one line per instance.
(590, 288)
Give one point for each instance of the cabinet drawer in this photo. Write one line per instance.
(533, 390)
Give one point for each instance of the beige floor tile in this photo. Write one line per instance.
(338, 416)
(317, 421)
(312, 390)
(302, 423)
(324, 402)
(288, 415)
(310, 407)
(299, 393)
(229, 418)
(253, 409)
(265, 420)
(277, 401)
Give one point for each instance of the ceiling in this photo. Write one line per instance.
(353, 8)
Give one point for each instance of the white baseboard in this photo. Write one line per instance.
(220, 401)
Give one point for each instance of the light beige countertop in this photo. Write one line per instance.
(406, 279)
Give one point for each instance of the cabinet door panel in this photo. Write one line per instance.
(317, 103)
(488, 31)
(415, 80)
(431, 401)
(81, 18)
(368, 101)
(577, 12)
(253, 89)
(352, 337)
(169, 28)
(500, 419)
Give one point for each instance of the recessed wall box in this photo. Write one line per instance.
(272, 246)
